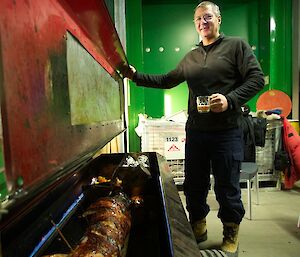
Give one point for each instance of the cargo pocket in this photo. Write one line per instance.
(237, 159)
(237, 156)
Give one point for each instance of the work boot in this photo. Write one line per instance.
(230, 239)
(200, 230)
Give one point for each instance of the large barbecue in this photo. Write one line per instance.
(62, 100)
(132, 213)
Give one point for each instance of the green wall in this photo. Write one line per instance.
(243, 20)
(3, 188)
(172, 29)
(134, 46)
(281, 45)
(168, 24)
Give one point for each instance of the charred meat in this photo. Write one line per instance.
(109, 221)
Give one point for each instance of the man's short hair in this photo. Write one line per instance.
(205, 4)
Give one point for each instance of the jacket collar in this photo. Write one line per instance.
(218, 40)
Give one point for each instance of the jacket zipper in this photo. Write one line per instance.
(205, 55)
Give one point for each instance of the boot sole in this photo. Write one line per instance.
(232, 254)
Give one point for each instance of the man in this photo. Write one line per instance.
(225, 69)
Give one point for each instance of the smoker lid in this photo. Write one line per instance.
(40, 137)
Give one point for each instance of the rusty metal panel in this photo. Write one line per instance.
(94, 95)
(38, 135)
(94, 18)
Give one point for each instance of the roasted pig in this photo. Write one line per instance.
(57, 255)
(109, 222)
(109, 225)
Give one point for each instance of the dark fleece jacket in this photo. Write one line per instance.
(227, 66)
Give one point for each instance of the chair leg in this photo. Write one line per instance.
(257, 188)
(212, 183)
(249, 198)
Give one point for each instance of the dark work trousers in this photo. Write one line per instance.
(219, 153)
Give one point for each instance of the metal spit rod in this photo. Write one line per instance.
(62, 236)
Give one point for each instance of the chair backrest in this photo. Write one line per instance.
(248, 170)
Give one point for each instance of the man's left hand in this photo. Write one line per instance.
(218, 103)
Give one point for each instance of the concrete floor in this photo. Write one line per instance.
(273, 230)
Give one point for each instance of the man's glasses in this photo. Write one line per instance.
(205, 17)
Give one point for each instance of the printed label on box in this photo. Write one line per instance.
(174, 147)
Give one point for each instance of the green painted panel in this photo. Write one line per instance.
(264, 36)
(91, 100)
(179, 98)
(3, 188)
(135, 57)
(235, 20)
(281, 45)
(168, 36)
(154, 102)
(1, 155)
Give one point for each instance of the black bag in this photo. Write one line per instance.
(282, 160)
(254, 132)
(260, 129)
(249, 138)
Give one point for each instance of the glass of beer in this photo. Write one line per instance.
(203, 104)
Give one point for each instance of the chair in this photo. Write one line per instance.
(248, 173)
